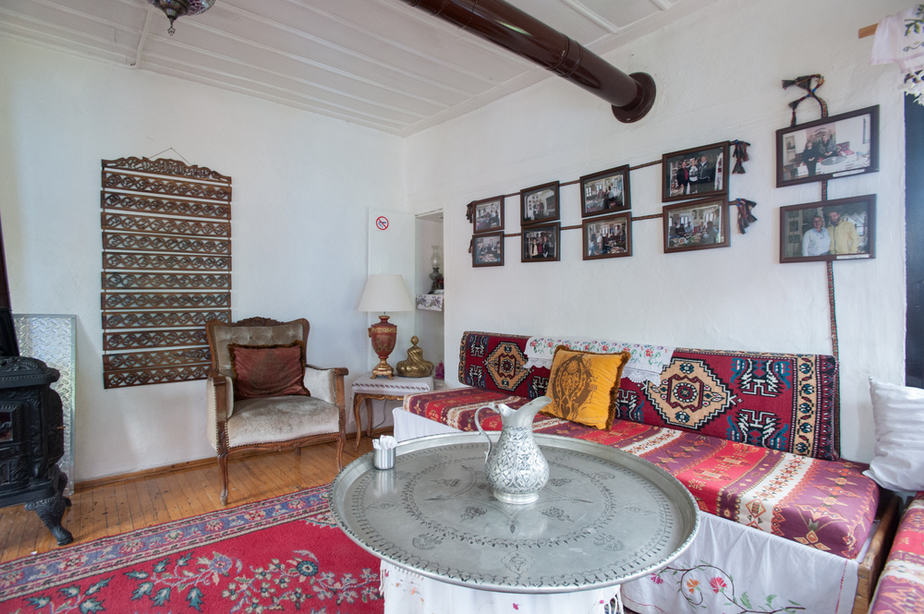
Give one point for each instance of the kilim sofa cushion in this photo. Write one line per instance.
(828, 505)
(779, 401)
(901, 585)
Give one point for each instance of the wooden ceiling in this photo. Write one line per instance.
(377, 63)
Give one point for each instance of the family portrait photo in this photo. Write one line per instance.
(539, 203)
(605, 192)
(828, 229)
(540, 243)
(488, 250)
(489, 214)
(701, 224)
(607, 237)
(698, 172)
(838, 146)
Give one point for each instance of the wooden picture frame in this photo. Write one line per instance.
(539, 204)
(541, 243)
(607, 236)
(488, 249)
(488, 214)
(698, 172)
(605, 192)
(838, 229)
(832, 147)
(697, 224)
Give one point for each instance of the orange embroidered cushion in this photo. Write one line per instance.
(268, 371)
(583, 386)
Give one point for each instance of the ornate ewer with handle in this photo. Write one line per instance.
(515, 466)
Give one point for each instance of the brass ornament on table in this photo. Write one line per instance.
(415, 365)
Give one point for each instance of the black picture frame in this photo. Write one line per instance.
(608, 236)
(829, 148)
(539, 203)
(605, 192)
(540, 243)
(488, 214)
(488, 249)
(696, 224)
(852, 236)
(682, 179)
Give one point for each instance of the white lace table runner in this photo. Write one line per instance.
(645, 365)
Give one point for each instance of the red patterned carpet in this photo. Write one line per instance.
(284, 555)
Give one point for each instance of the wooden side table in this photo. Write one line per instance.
(367, 388)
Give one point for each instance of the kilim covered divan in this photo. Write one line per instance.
(752, 436)
(901, 585)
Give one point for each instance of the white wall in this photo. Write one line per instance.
(718, 76)
(302, 186)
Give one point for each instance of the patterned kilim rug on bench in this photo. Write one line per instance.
(284, 554)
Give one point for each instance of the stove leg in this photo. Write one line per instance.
(51, 510)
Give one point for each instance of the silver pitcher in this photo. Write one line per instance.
(515, 466)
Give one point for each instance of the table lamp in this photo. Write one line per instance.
(384, 292)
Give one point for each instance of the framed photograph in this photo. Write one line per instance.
(836, 229)
(488, 214)
(539, 204)
(828, 148)
(488, 249)
(540, 243)
(699, 224)
(605, 192)
(608, 236)
(699, 172)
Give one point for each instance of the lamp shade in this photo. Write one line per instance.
(385, 292)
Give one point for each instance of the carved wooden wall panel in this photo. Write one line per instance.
(166, 268)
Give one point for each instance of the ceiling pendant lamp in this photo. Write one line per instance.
(178, 8)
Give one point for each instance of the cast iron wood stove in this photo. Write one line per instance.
(31, 428)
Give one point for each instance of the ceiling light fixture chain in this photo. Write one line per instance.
(178, 8)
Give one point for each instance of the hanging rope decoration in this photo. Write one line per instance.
(740, 153)
(805, 82)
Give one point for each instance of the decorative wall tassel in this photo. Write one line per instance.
(740, 153)
(745, 217)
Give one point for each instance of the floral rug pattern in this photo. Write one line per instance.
(281, 555)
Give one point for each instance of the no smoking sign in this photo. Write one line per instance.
(381, 222)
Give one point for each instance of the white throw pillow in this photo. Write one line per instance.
(898, 412)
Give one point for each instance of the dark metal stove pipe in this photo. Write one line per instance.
(631, 96)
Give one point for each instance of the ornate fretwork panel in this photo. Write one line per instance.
(166, 268)
(156, 300)
(153, 243)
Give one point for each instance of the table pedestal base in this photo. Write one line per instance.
(406, 592)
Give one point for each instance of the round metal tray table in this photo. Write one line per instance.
(605, 516)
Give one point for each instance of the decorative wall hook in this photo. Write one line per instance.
(805, 82)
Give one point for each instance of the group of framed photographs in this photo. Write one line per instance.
(699, 177)
(606, 227)
(488, 239)
(695, 180)
(540, 237)
(832, 147)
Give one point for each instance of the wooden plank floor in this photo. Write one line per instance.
(120, 506)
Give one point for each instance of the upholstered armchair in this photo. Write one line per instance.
(263, 396)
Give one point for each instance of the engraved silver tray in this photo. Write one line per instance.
(604, 518)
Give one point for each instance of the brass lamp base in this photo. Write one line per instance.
(383, 369)
(383, 334)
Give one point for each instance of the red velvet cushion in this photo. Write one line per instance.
(268, 371)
